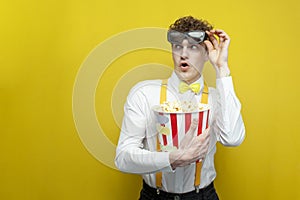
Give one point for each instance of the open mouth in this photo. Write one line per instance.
(184, 64)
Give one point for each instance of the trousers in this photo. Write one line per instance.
(207, 193)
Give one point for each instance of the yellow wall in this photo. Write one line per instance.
(44, 43)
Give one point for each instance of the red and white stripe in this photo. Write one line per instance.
(179, 124)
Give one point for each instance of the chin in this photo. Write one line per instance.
(183, 76)
(187, 77)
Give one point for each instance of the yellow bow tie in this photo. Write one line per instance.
(183, 87)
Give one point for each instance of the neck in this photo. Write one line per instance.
(192, 80)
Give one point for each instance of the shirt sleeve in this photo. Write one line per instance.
(131, 156)
(228, 124)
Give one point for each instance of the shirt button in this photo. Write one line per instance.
(176, 197)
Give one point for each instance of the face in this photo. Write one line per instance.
(189, 60)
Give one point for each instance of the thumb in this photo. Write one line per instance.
(209, 45)
(193, 127)
(205, 133)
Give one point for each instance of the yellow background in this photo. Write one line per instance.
(43, 44)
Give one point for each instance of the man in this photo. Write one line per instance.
(194, 42)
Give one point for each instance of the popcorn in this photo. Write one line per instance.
(178, 106)
(174, 106)
(173, 120)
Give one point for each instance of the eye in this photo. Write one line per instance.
(177, 46)
(194, 47)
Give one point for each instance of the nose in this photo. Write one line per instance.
(184, 53)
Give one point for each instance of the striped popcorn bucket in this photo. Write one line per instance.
(172, 126)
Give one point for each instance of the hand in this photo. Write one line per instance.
(191, 149)
(218, 51)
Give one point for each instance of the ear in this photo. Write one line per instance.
(205, 52)
(206, 56)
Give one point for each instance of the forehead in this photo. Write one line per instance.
(186, 42)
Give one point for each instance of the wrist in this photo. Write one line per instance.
(176, 158)
(172, 159)
(223, 71)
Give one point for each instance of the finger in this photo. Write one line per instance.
(219, 31)
(222, 34)
(186, 141)
(224, 37)
(206, 131)
(203, 138)
(193, 126)
(201, 142)
(209, 45)
(213, 39)
(224, 43)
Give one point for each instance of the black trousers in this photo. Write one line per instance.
(207, 193)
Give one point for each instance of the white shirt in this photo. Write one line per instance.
(136, 150)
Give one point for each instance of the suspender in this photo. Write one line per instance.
(204, 99)
(163, 98)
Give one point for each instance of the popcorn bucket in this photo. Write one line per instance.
(173, 125)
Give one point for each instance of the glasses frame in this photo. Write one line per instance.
(186, 35)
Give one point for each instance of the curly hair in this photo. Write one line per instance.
(189, 23)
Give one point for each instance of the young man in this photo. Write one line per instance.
(194, 42)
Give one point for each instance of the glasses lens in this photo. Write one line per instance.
(193, 37)
(175, 37)
(197, 36)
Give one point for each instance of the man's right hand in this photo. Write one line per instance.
(191, 149)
